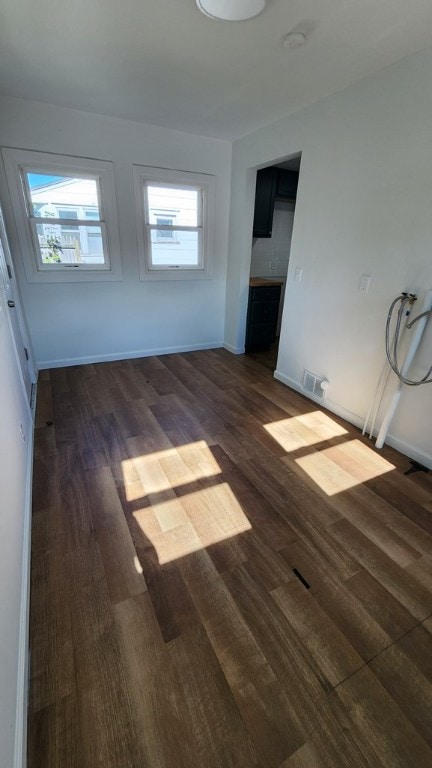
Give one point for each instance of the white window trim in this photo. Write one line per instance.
(15, 160)
(144, 174)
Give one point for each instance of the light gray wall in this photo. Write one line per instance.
(14, 465)
(73, 322)
(364, 205)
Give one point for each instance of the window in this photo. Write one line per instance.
(175, 223)
(68, 209)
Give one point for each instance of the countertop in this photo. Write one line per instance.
(257, 281)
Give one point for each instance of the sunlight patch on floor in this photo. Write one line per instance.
(304, 430)
(167, 469)
(179, 526)
(343, 466)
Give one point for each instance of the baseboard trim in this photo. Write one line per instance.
(409, 450)
(358, 421)
(130, 355)
(233, 350)
(20, 750)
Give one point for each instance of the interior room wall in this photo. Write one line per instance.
(363, 207)
(15, 464)
(72, 323)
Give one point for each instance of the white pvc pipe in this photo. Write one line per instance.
(412, 349)
(383, 381)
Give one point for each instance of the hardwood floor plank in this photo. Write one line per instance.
(44, 411)
(234, 644)
(406, 588)
(405, 671)
(180, 426)
(213, 727)
(384, 607)
(52, 672)
(152, 685)
(90, 607)
(172, 603)
(382, 723)
(363, 630)
(122, 573)
(331, 651)
(104, 699)
(54, 738)
(403, 502)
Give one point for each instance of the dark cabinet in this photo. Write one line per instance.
(265, 194)
(287, 184)
(262, 316)
(271, 183)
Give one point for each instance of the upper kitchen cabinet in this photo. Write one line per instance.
(287, 182)
(265, 195)
(271, 183)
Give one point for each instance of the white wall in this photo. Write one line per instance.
(364, 205)
(114, 319)
(14, 484)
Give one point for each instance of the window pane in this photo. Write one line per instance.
(60, 245)
(179, 205)
(91, 213)
(62, 197)
(66, 213)
(181, 249)
(164, 234)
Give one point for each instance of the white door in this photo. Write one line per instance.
(7, 285)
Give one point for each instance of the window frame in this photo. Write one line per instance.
(19, 162)
(205, 184)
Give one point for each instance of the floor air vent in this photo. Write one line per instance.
(312, 383)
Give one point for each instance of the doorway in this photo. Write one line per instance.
(275, 199)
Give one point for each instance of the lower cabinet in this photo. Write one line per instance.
(262, 316)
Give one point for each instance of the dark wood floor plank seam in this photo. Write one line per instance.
(377, 655)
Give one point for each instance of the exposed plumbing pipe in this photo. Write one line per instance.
(419, 322)
(384, 376)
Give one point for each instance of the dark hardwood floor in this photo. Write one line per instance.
(267, 357)
(222, 575)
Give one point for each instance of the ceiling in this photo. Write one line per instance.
(163, 62)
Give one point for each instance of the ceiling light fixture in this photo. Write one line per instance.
(231, 10)
(294, 40)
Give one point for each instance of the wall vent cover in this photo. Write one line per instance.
(312, 383)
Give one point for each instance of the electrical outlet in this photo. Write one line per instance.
(364, 283)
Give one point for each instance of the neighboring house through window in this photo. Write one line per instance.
(165, 221)
(69, 205)
(175, 213)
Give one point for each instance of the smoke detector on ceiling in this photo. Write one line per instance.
(294, 40)
(231, 10)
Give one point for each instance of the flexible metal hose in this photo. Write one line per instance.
(404, 299)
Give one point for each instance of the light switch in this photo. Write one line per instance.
(298, 274)
(364, 283)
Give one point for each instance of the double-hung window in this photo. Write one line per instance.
(68, 211)
(175, 223)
